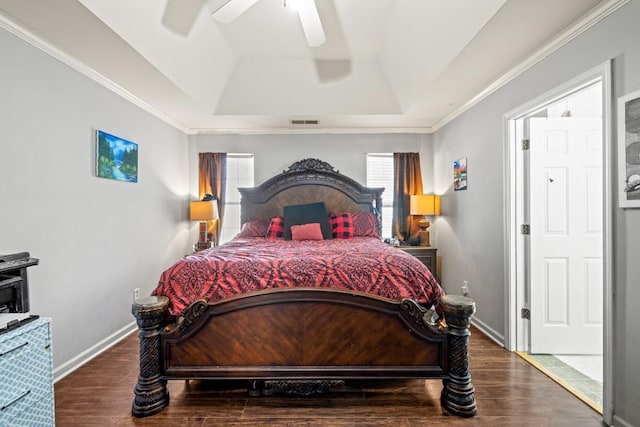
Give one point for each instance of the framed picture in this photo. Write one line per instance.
(460, 174)
(629, 150)
(116, 158)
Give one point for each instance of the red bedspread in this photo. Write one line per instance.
(363, 264)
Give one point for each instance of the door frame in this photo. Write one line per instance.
(515, 275)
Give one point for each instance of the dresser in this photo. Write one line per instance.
(26, 375)
(426, 254)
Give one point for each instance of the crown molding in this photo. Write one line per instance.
(580, 26)
(28, 36)
(323, 131)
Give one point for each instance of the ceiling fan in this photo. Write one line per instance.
(226, 11)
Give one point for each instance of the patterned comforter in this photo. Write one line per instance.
(363, 264)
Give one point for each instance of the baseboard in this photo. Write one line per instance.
(71, 365)
(489, 332)
(619, 422)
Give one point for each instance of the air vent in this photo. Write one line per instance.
(303, 122)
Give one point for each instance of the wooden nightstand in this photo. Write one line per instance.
(426, 254)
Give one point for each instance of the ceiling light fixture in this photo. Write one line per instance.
(226, 11)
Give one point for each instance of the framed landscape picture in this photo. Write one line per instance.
(460, 174)
(116, 158)
(629, 150)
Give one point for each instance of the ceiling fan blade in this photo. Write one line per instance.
(310, 20)
(227, 11)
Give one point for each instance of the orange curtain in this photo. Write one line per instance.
(407, 180)
(212, 179)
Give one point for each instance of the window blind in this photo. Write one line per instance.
(380, 174)
(239, 174)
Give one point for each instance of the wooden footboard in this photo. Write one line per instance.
(303, 334)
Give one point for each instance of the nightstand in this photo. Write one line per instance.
(426, 254)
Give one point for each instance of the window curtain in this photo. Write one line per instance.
(212, 179)
(407, 180)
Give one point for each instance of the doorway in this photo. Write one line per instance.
(559, 235)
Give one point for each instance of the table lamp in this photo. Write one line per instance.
(203, 211)
(425, 205)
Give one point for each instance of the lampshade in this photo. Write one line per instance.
(424, 204)
(204, 211)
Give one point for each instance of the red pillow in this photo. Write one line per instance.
(310, 231)
(341, 225)
(365, 224)
(276, 228)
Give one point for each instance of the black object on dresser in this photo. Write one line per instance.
(14, 287)
(426, 254)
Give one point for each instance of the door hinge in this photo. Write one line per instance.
(525, 313)
(525, 229)
(525, 144)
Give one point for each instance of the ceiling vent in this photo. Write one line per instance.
(303, 122)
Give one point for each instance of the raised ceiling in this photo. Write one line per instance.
(387, 65)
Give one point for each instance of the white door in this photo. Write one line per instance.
(566, 235)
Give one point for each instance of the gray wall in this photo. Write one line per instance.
(96, 239)
(470, 235)
(274, 153)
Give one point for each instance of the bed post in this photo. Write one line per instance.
(151, 395)
(457, 396)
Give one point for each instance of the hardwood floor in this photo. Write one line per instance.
(509, 392)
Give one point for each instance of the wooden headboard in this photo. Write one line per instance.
(309, 181)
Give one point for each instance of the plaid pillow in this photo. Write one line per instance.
(365, 224)
(257, 228)
(276, 228)
(341, 226)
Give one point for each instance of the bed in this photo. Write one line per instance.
(261, 310)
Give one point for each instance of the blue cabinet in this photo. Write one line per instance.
(26, 376)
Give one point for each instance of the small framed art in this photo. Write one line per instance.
(116, 158)
(460, 174)
(629, 150)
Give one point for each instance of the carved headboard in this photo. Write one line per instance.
(309, 181)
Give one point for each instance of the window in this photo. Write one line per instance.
(239, 174)
(380, 174)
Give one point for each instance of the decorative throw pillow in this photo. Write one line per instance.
(365, 224)
(257, 228)
(276, 228)
(306, 232)
(306, 214)
(341, 225)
